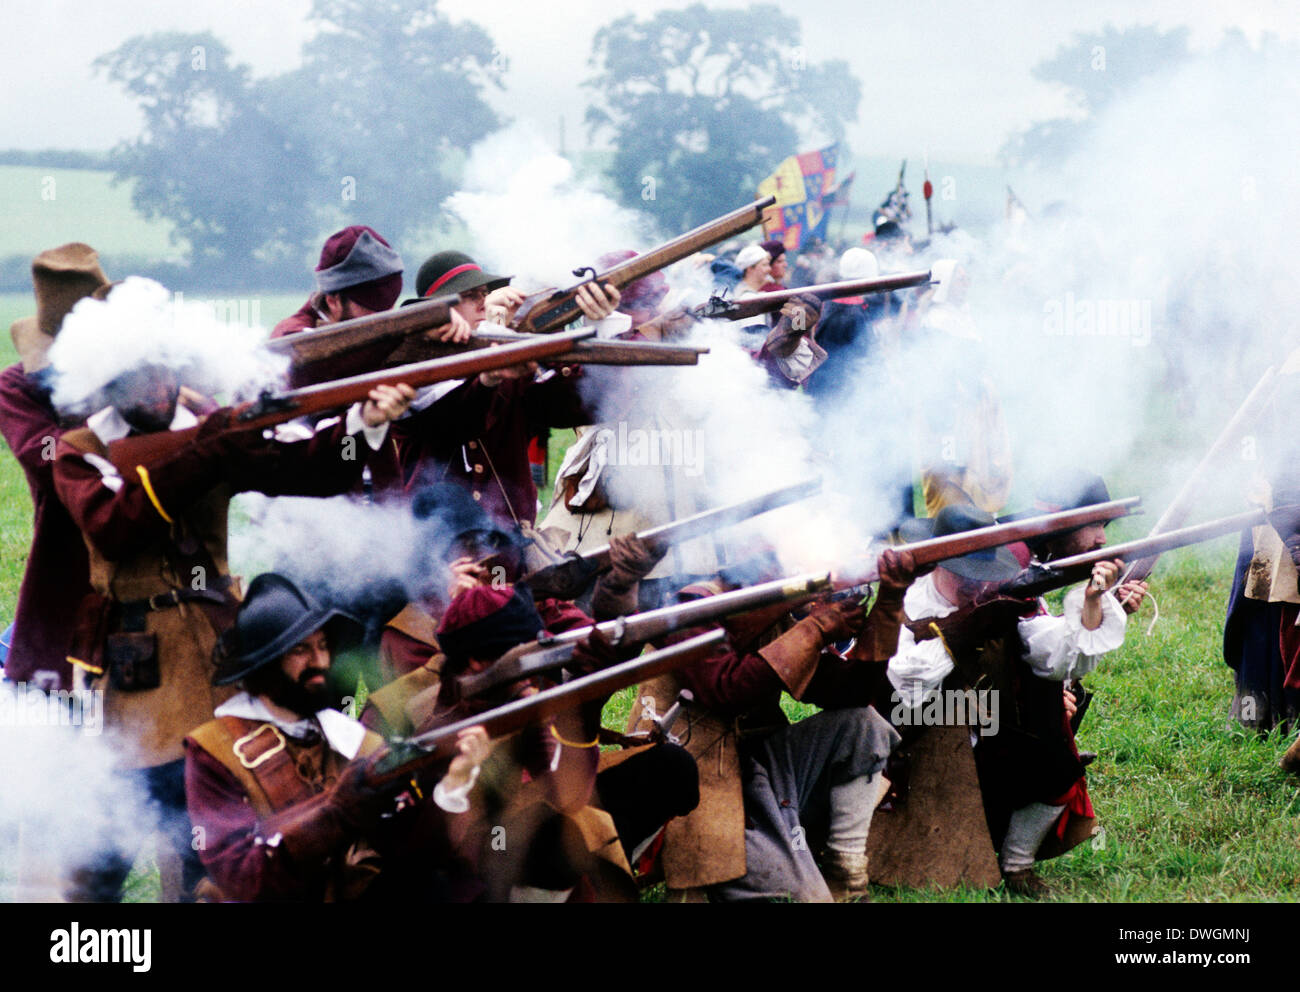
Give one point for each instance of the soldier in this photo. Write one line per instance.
(156, 539)
(772, 795)
(541, 788)
(57, 574)
(277, 783)
(1030, 772)
(476, 433)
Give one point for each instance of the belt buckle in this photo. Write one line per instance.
(169, 595)
(265, 755)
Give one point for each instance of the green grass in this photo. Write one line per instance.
(46, 207)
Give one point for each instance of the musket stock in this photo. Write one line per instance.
(407, 756)
(552, 309)
(271, 409)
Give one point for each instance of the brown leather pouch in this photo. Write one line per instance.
(132, 660)
(596, 501)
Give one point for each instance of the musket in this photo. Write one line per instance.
(404, 757)
(552, 309)
(272, 408)
(719, 308)
(1039, 579)
(595, 351)
(553, 651)
(566, 579)
(359, 344)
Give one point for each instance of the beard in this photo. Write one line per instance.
(298, 696)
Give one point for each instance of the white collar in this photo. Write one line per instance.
(109, 426)
(343, 733)
(923, 600)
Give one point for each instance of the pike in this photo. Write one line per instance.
(1039, 579)
(552, 309)
(271, 409)
(1252, 407)
(404, 757)
(776, 597)
(718, 308)
(566, 579)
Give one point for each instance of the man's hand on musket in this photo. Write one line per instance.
(491, 379)
(1071, 704)
(455, 331)
(597, 301)
(466, 573)
(1131, 595)
(386, 404)
(473, 747)
(1104, 575)
(897, 569)
(502, 303)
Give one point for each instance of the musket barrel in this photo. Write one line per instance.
(554, 652)
(588, 564)
(519, 713)
(1066, 571)
(767, 302)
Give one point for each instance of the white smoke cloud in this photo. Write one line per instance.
(529, 216)
(140, 323)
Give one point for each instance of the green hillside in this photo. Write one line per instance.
(44, 207)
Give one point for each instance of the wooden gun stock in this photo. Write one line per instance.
(552, 309)
(406, 757)
(271, 409)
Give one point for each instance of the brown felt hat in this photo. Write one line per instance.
(60, 277)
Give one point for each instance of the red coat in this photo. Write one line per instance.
(57, 574)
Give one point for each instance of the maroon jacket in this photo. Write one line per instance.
(478, 436)
(384, 467)
(57, 575)
(416, 843)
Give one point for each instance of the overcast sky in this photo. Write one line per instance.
(944, 76)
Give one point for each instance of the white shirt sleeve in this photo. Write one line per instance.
(917, 668)
(374, 435)
(1060, 648)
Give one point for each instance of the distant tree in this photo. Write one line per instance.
(209, 159)
(702, 103)
(395, 93)
(252, 172)
(1094, 68)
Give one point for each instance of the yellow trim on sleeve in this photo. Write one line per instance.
(153, 497)
(92, 669)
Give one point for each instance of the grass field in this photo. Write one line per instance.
(1192, 808)
(45, 207)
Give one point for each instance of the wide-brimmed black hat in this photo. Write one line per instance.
(990, 565)
(274, 616)
(454, 272)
